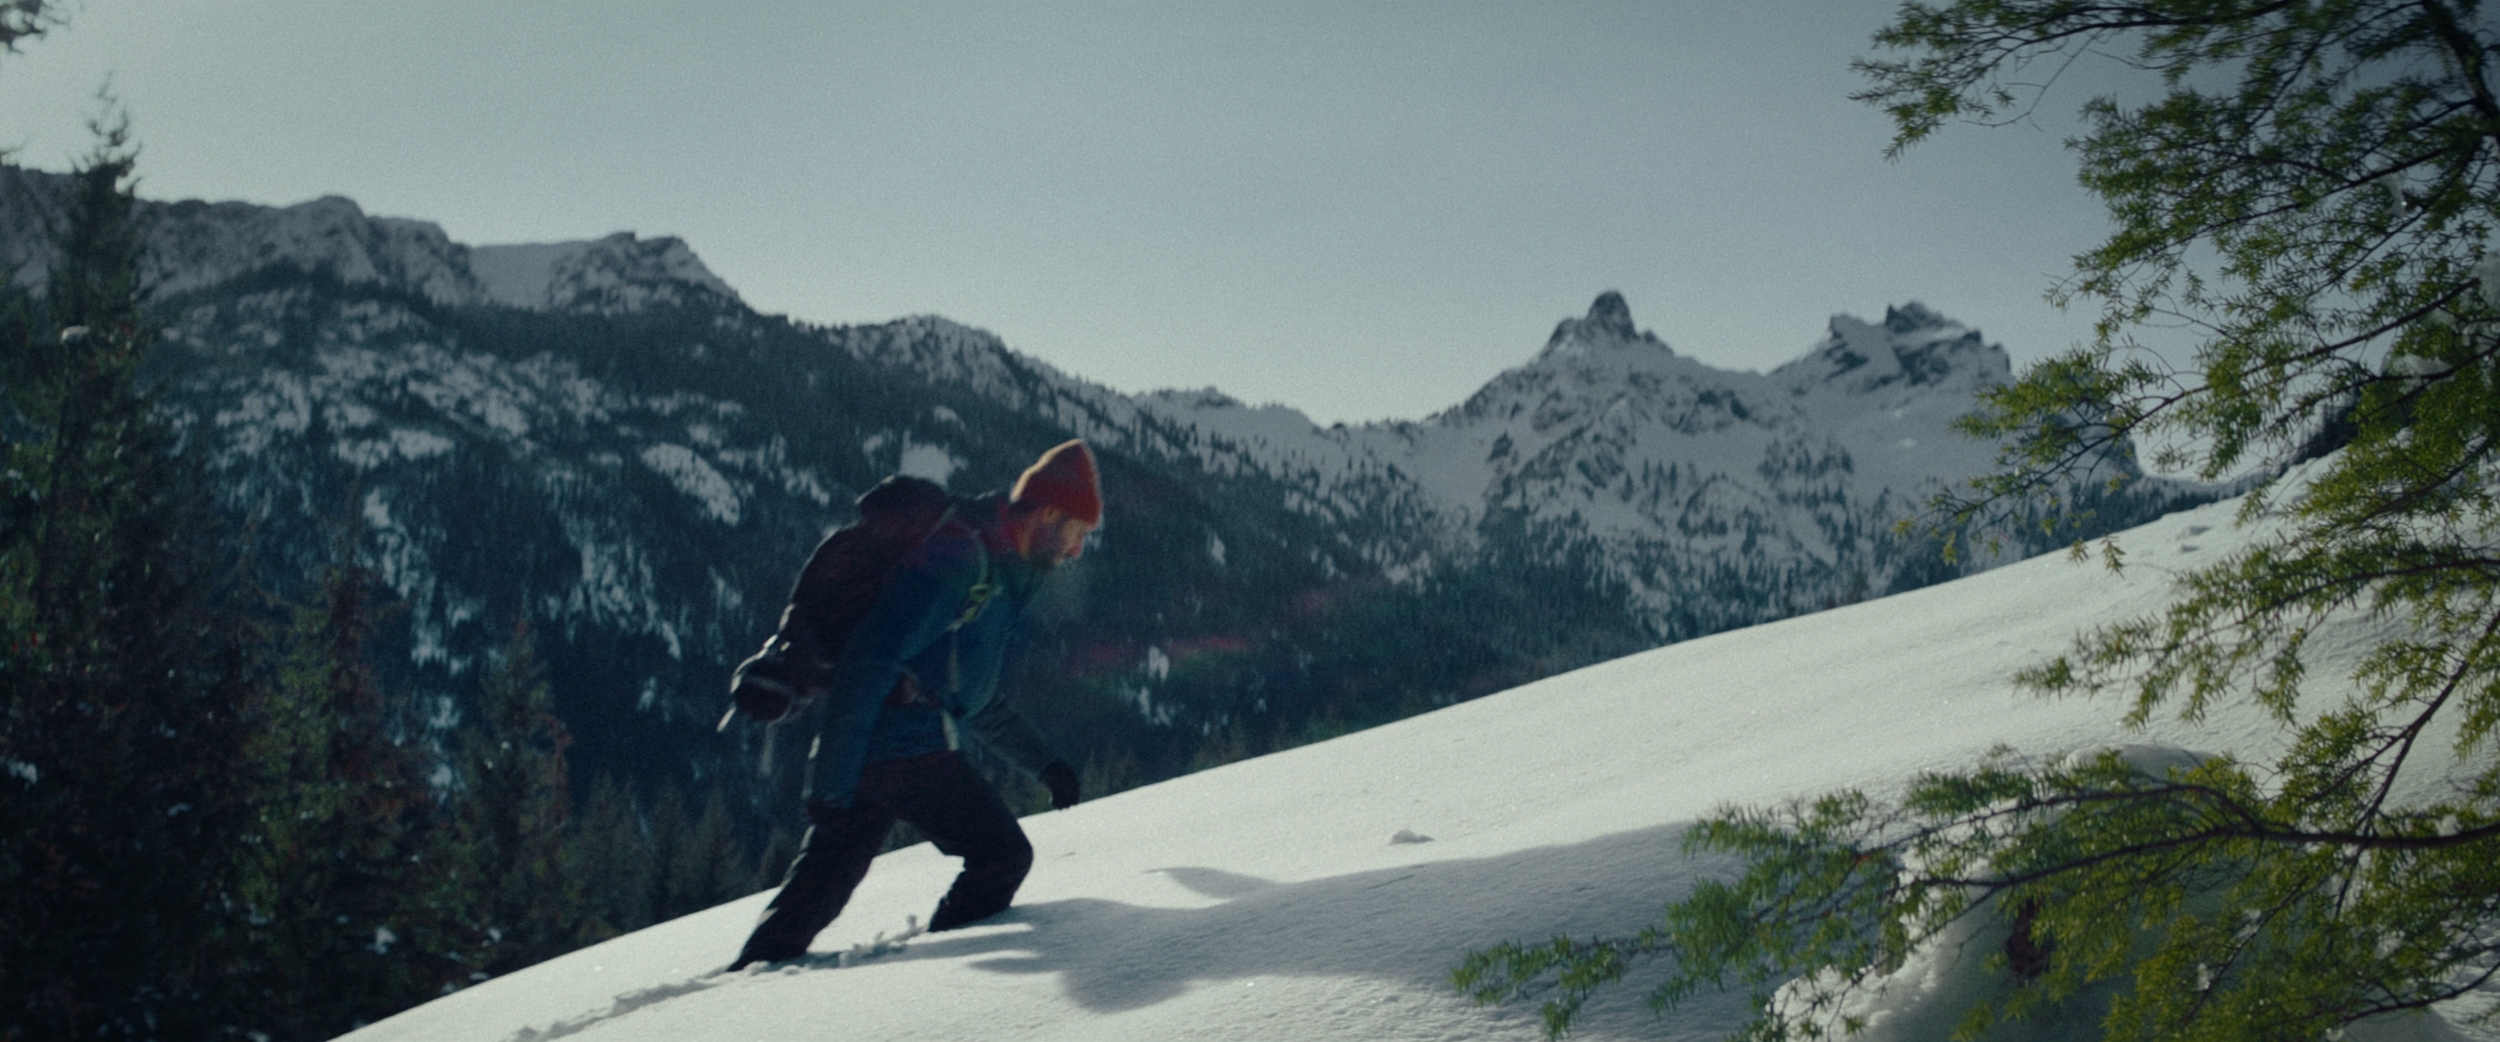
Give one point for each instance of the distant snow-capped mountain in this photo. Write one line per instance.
(615, 274)
(1608, 441)
(601, 438)
(1662, 465)
(194, 245)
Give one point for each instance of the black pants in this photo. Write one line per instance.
(942, 796)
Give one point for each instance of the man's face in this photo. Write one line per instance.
(1071, 537)
(1058, 538)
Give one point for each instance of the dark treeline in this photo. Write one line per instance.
(230, 815)
(242, 797)
(220, 821)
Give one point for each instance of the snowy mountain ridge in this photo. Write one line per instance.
(1663, 466)
(601, 439)
(194, 245)
(1606, 444)
(1606, 439)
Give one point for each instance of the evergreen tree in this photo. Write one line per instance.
(608, 848)
(513, 889)
(336, 882)
(26, 20)
(641, 870)
(2314, 190)
(123, 674)
(700, 861)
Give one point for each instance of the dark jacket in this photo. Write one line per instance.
(918, 630)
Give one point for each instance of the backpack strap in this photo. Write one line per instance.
(982, 590)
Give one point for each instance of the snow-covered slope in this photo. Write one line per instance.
(599, 438)
(1324, 892)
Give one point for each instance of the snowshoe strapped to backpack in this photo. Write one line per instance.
(835, 590)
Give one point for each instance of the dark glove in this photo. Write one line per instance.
(770, 684)
(1061, 779)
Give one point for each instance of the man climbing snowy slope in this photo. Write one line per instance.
(929, 654)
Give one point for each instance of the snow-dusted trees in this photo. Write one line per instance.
(2312, 189)
(26, 19)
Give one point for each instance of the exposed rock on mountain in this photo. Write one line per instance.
(194, 245)
(601, 438)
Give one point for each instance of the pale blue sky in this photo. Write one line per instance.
(1363, 210)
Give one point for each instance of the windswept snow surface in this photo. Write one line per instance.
(1324, 892)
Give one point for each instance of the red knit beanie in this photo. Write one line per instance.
(1063, 478)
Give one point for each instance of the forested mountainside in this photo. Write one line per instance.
(600, 439)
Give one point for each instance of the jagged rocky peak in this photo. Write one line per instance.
(1608, 324)
(1608, 314)
(1914, 316)
(194, 245)
(617, 273)
(1913, 347)
(197, 245)
(1200, 398)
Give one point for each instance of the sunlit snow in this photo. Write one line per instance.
(686, 469)
(1324, 892)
